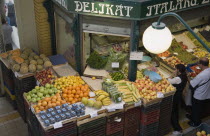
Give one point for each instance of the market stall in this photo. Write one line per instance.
(111, 85)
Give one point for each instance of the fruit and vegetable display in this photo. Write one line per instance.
(200, 53)
(183, 45)
(196, 71)
(139, 74)
(96, 61)
(62, 82)
(116, 76)
(38, 93)
(202, 133)
(92, 103)
(164, 54)
(130, 93)
(25, 61)
(196, 42)
(148, 89)
(45, 76)
(172, 61)
(49, 102)
(60, 113)
(183, 55)
(103, 97)
(110, 88)
(73, 94)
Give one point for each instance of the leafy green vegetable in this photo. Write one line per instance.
(96, 61)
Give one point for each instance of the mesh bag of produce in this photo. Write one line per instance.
(115, 57)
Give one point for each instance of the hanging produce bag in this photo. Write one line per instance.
(115, 57)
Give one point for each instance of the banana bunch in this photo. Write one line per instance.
(103, 97)
(139, 75)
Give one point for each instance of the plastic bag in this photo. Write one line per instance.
(115, 57)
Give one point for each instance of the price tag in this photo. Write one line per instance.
(163, 58)
(93, 114)
(160, 95)
(137, 104)
(57, 125)
(37, 83)
(119, 106)
(136, 55)
(16, 74)
(176, 53)
(198, 67)
(189, 50)
(92, 94)
(110, 109)
(32, 109)
(118, 120)
(115, 64)
(207, 28)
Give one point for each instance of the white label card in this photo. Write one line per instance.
(160, 95)
(175, 53)
(16, 74)
(119, 106)
(137, 104)
(93, 114)
(163, 58)
(136, 55)
(110, 109)
(57, 125)
(115, 64)
(37, 83)
(189, 50)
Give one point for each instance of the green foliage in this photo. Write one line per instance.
(96, 61)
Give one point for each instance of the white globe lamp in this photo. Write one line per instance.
(157, 38)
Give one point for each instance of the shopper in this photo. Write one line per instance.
(7, 34)
(200, 86)
(179, 82)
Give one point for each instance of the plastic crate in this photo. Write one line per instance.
(202, 127)
(165, 115)
(24, 84)
(21, 107)
(8, 78)
(132, 121)
(149, 130)
(115, 122)
(92, 126)
(68, 129)
(27, 109)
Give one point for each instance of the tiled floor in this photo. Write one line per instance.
(11, 124)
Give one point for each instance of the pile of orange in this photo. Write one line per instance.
(49, 102)
(73, 94)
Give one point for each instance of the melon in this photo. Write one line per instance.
(16, 67)
(24, 70)
(32, 68)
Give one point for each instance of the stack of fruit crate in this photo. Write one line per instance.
(92, 126)
(42, 27)
(165, 115)
(115, 123)
(23, 84)
(132, 121)
(149, 118)
(68, 129)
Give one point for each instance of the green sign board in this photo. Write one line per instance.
(135, 10)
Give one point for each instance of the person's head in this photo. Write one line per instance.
(3, 21)
(203, 63)
(180, 69)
